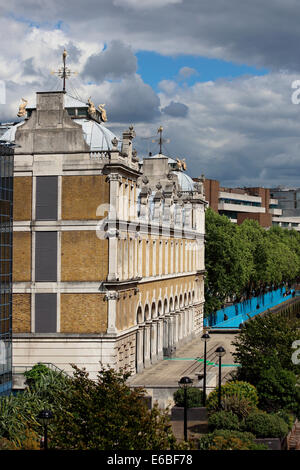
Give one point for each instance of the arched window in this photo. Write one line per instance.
(147, 312)
(153, 310)
(139, 315)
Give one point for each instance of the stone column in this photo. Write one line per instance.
(160, 336)
(180, 321)
(186, 314)
(176, 328)
(191, 321)
(166, 336)
(154, 341)
(114, 184)
(181, 256)
(153, 258)
(140, 258)
(171, 336)
(161, 247)
(147, 344)
(114, 255)
(125, 259)
(166, 248)
(139, 348)
(147, 257)
(112, 297)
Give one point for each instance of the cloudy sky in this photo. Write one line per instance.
(216, 75)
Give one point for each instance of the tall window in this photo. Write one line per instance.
(46, 198)
(46, 257)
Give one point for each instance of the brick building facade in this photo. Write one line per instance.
(108, 251)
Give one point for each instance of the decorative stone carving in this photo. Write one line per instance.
(112, 296)
(115, 143)
(134, 156)
(91, 108)
(114, 177)
(102, 112)
(112, 232)
(22, 108)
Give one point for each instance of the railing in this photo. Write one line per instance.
(293, 437)
(53, 367)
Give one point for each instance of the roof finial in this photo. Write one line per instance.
(160, 140)
(64, 72)
(159, 131)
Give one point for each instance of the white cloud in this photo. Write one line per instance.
(186, 72)
(244, 131)
(145, 4)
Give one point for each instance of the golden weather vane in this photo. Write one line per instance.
(160, 140)
(64, 72)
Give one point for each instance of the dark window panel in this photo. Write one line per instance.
(45, 313)
(46, 198)
(46, 256)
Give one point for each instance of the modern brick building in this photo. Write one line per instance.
(265, 205)
(108, 258)
(289, 203)
(239, 204)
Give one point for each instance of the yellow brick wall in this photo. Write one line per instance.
(81, 195)
(83, 313)
(21, 313)
(21, 256)
(22, 198)
(126, 308)
(84, 257)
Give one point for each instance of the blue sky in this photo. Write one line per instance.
(154, 68)
(227, 73)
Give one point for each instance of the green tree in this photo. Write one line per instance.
(228, 261)
(194, 397)
(265, 342)
(277, 389)
(107, 415)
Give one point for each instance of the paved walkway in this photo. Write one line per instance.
(187, 361)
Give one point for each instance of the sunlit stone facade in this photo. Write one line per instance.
(108, 250)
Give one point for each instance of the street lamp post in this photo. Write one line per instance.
(45, 417)
(220, 351)
(205, 338)
(184, 383)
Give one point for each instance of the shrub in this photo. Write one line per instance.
(223, 420)
(277, 389)
(5, 444)
(229, 440)
(194, 397)
(31, 441)
(241, 407)
(287, 416)
(241, 390)
(33, 375)
(265, 425)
